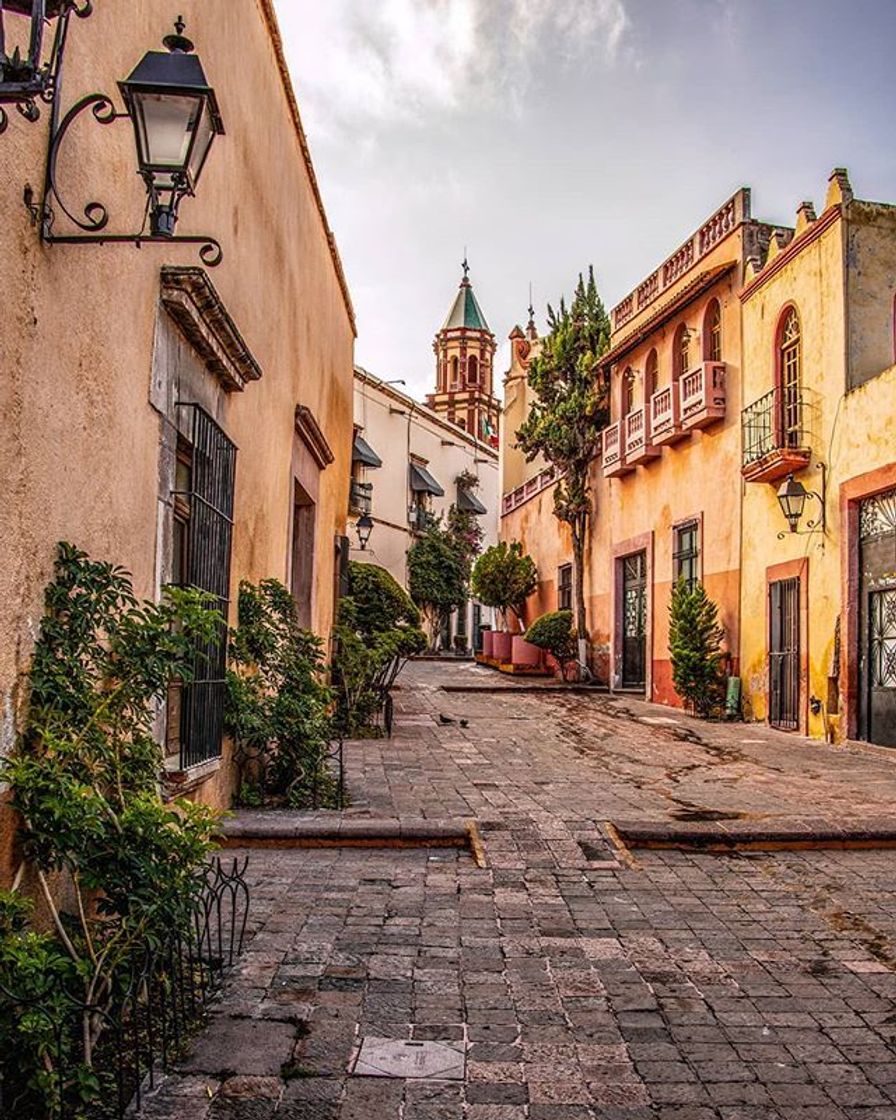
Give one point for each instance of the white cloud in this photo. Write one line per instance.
(393, 60)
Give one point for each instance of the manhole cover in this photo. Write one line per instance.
(392, 1057)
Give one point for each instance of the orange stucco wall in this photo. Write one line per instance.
(80, 455)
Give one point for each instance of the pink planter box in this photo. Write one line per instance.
(487, 638)
(524, 654)
(501, 646)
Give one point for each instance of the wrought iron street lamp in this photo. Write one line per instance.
(176, 119)
(175, 116)
(792, 496)
(364, 527)
(27, 73)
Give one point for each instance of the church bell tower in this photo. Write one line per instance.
(465, 351)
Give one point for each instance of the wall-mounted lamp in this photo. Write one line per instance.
(792, 496)
(364, 527)
(27, 73)
(175, 117)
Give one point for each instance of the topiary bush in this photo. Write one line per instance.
(504, 578)
(553, 632)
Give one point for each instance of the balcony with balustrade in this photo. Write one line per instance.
(775, 442)
(638, 445)
(665, 417)
(703, 395)
(614, 461)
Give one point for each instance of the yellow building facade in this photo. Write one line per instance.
(127, 369)
(755, 358)
(819, 603)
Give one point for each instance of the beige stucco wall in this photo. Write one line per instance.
(397, 427)
(79, 459)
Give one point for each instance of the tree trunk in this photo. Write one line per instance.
(578, 573)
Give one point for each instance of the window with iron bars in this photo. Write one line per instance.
(203, 534)
(564, 587)
(686, 553)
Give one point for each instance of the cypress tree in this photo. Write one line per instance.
(695, 647)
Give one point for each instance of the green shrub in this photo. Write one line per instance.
(85, 778)
(278, 708)
(695, 648)
(378, 628)
(553, 632)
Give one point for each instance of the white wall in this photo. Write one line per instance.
(397, 428)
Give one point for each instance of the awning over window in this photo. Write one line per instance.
(467, 502)
(362, 452)
(423, 482)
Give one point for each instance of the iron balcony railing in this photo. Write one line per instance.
(773, 423)
(361, 496)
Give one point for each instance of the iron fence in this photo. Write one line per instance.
(158, 1002)
(318, 781)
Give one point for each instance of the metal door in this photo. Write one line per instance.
(877, 651)
(634, 620)
(784, 653)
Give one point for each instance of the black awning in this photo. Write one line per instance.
(423, 482)
(467, 502)
(362, 452)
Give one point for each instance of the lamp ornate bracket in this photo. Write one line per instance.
(818, 523)
(24, 81)
(95, 217)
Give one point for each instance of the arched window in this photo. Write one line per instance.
(651, 376)
(472, 370)
(790, 379)
(628, 391)
(712, 332)
(681, 352)
(454, 373)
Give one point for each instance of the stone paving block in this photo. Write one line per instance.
(688, 986)
(244, 1046)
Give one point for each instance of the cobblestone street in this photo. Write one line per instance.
(585, 982)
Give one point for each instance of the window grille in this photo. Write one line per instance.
(651, 376)
(564, 587)
(715, 331)
(203, 502)
(686, 554)
(683, 352)
(791, 397)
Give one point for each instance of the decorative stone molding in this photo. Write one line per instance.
(314, 439)
(732, 214)
(191, 300)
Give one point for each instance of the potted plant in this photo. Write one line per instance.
(504, 577)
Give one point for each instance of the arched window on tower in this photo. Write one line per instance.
(455, 375)
(473, 370)
(651, 376)
(681, 352)
(712, 332)
(790, 379)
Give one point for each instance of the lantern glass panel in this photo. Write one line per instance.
(165, 126)
(204, 135)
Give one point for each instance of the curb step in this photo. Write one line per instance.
(285, 830)
(758, 835)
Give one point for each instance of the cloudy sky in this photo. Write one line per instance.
(544, 135)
